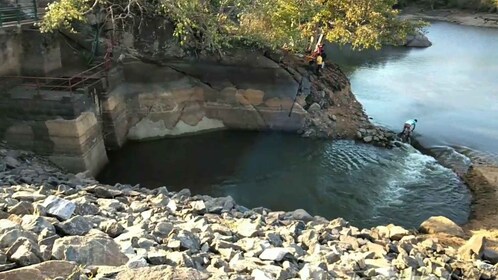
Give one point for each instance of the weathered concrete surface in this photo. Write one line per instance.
(10, 52)
(179, 99)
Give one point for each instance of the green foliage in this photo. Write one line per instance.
(214, 25)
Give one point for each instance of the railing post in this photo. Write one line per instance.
(35, 9)
(18, 14)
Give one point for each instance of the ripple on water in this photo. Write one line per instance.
(361, 183)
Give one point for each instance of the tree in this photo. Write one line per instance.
(215, 25)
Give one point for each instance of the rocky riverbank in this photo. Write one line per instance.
(333, 110)
(56, 225)
(463, 17)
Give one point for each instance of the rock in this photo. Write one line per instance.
(247, 228)
(198, 206)
(25, 254)
(75, 226)
(92, 249)
(387, 272)
(302, 215)
(163, 229)
(274, 254)
(473, 248)
(157, 257)
(315, 273)
(172, 206)
(22, 208)
(44, 271)
(7, 225)
(137, 262)
(189, 241)
(162, 272)
(418, 41)
(314, 108)
(59, 207)
(260, 275)
(183, 194)
(138, 206)
(28, 196)
(112, 228)
(160, 200)
(84, 207)
(110, 205)
(367, 139)
(7, 266)
(219, 204)
(104, 192)
(8, 238)
(11, 162)
(440, 224)
(490, 255)
(37, 224)
(397, 232)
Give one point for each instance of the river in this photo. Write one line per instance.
(451, 88)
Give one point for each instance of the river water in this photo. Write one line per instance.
(451, 88)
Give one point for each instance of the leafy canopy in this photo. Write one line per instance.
(214, 25)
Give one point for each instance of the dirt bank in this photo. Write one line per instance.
(463, 17)
(483, 182)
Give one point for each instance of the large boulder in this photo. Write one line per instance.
(77, 225)
(43, 271)
(440, 224)
(93, 249)
(418, 41)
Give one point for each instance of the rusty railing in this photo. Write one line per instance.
(69, 84)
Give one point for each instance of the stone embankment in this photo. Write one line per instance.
(55, 225)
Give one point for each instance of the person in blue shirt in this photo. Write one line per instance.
(410, 126)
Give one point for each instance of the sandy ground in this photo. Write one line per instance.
(452, 15)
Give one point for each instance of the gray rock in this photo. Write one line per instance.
(26, 254)
(9, 237)
(314, 108)
(275, 239)
(22, 208)
(85, 207)
(189, 241)
(219, 204)
(77, 225)
(11, 162)
(137, 262)
(302, 215)
(44, 271)
(163, 229)
(59, 207)
(92, 249)
(183, 194)
(418, 41)
(367, 139)
(157, 257)
(274, 254)
(28, 196)
(161, 201)
(104, 192)
(7, 266)
(112, 228)
(37, 224)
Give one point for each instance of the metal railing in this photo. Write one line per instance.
(66, 84)
(19, 13)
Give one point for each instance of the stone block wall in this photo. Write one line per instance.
(10, 52)
(60, 125)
